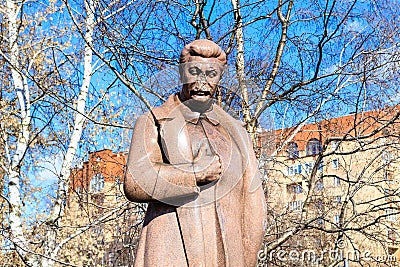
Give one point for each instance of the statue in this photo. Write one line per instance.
(195, 166)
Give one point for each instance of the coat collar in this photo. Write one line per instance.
(189, 115)
(193, 117)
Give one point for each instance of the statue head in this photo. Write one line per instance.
(201, 66)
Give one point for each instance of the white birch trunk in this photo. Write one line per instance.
(64, 182)
(22, 91)
(79, 118)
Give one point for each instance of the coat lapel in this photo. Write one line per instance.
(174, 136)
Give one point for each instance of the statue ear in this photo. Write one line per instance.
(223, 70)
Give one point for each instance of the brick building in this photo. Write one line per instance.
(96, 205)
(336, 181)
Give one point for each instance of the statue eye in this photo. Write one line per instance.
(194, 71)
(211, 73)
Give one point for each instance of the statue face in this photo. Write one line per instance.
(200, 77)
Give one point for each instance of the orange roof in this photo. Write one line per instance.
(349, 127)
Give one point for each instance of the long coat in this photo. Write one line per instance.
(159, 172)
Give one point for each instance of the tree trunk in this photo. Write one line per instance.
(14, 178)
(64, 180)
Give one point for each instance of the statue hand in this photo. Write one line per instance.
(207, 166)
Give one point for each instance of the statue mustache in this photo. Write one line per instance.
(200, 92)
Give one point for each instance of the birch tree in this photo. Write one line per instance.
(52, 248)
(22, 90)
(14, 167)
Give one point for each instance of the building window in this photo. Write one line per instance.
(319, 185)
(295, 189)
(309, 167)
(298, 189)
(335, 145)
(336, 181)
(294, 169)
(389, 193)
(337, 200)
(391, 215)
(292, 150)
(314, 147)
(297, 169)
(335, 164)
(97, 183)
(118, 181)
(290, 170)
(296, 205)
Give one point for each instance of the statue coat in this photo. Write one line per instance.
(158, 173)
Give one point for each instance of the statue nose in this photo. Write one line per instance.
(202, 77)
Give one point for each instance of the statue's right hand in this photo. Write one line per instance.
(207, 166)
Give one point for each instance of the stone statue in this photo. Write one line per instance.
(195, 166)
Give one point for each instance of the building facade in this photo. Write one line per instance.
(106, 224)
(335, 183)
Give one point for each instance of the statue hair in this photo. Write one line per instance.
(202, 48)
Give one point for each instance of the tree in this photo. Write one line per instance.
(26, 81)
(57, 99)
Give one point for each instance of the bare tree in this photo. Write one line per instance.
(74, 69)
(25, 82)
